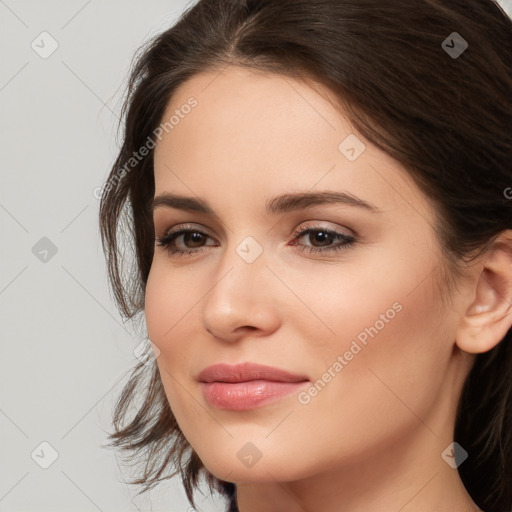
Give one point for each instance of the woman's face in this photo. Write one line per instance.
(358, 325)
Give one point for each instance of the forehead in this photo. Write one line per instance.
(253, 111)
(268, 134)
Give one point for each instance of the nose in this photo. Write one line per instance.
(242, 300)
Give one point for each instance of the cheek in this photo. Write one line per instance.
(393, 355)
(158, 305)
(393, 347)
(169, 301)
(168, 306)
(169, 310)
(386, 322)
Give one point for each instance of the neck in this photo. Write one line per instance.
(407, 476)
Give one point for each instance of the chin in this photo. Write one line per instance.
(259, 473)
(266, 469)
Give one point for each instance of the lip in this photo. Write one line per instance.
(247, 386)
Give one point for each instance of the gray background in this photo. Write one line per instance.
(65, 353)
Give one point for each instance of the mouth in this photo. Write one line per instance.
(247, 386)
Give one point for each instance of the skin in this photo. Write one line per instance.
(372, 438)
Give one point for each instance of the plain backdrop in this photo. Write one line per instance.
(65, 353)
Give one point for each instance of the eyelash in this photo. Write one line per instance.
(171, 236)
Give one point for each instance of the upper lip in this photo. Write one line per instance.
(245, 372)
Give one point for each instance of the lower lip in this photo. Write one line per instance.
(242, 396)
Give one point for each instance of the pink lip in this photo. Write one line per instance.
(246, 386)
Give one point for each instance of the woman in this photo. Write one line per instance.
(318, 195)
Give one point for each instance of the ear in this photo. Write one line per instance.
(489, 317)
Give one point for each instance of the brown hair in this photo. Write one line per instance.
(447, 118)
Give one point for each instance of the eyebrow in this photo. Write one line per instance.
(280, 204)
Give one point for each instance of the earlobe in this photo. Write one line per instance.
(489, 316)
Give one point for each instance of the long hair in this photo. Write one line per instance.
(442, 110)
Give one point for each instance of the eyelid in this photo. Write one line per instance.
(183, 226)
(319, 224)
(310, 224)
(347, 241)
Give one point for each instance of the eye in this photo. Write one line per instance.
(190, 235)
(323, 236)
(194, 240)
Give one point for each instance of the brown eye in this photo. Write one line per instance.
(325, 238)
(192, 241)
